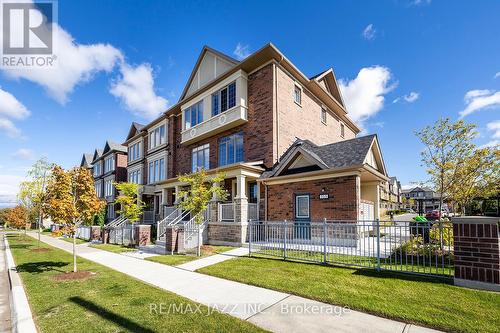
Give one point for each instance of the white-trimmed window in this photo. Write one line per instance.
(157, 137)
(297, 95)
(135, 176)
(200, 158)
(193, 115)
(98, 189)
(109, 163)
(231, 149)
(323, 115)
(224, 99)
(134, 152)
(156, 170)
(342, 130)
(97, 169)
(108, 188)
(302, 206)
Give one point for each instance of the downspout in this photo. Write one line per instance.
(265, 200)
(277, 111)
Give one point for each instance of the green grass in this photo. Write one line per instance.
(431, 302)
(70, 240)
(109, 301)
(115, 248)
(178, 259)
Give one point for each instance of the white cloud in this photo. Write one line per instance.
(369, 32)
(420, 2)
(497, 75)
(8, 127)
(135, 88)
(10, 107)
(407, 186)
(24, 154)
(493, 127)
(364, 95)
(409, 98)
(75, 63)
(241, 51)
(9, 187)
(476, 100)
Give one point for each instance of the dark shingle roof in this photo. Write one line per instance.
(332, 156)
(87, 160)
(115, 146)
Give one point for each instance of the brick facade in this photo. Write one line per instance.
(227, 233)
(342, 202)
(477, 251)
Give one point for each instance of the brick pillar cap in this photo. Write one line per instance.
(475, 220)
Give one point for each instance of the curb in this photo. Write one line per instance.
(22, 319)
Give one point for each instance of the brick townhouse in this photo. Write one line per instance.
(108, 166)
(284, 142)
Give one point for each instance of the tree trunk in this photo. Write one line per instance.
(74, 247)
(39, 228)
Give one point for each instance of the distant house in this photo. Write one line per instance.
(424, 199)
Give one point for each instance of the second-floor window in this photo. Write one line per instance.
(135, 177)
(134, 152)
(224, 99)
(200, 158)
(157, 137)
(156, 171)
(193, 115)
(297, 95)
(231, 149)
(97, 169)
(108, 188)
(109, 164)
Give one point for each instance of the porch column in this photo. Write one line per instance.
(376, 206)
(241, 201)
(213, 206)
(241, 188)
(164, 202)
(177, 189)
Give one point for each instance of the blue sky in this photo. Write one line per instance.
(401, 64)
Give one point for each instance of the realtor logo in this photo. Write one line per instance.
(27, 28)
(27, 33)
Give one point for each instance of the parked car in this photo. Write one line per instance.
(433, 215)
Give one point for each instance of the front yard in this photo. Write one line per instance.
(178, 259)
(431, 302)
(106, 301)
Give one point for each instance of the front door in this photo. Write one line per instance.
(302, 229)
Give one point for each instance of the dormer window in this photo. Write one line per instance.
(224, 99)
(193, 115)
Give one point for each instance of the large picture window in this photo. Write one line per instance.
(156, 171)
(134, 152)
(135, 177)
(193, 115)
(157, 137)
(231, 149)
(224, 99)
(109, 164)
(108, 188)
(200, 158)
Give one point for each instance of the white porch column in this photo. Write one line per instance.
(241, 187)
(177, 189)
(376, 208)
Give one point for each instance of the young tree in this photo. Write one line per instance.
(72, 200)
(4, 212)
(32, 192)
(17, 217)
(447, 145)
(478, 176)
(131, 205)
(199, 193)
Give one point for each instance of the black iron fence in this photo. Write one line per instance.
(413, 247)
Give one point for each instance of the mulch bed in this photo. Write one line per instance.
(40, 250)
(82, 275)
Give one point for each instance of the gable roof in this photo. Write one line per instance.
(328, 78)
(113, 146)
(135, 128)
(347, 153)
(86, 160)
(203, 52)
(97, 155)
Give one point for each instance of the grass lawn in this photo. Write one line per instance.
(178, 259)
(70, 240)
(108, 301)
(115, 248)
(431, 302)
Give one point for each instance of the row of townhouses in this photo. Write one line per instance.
(284, 142)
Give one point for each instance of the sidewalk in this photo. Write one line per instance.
(5, 315)
(271, 310)
(214, 259)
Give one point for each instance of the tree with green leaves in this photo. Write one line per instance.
(33, 191)
(71, 200)
(131, 206)
(447, 145)
(201, 189)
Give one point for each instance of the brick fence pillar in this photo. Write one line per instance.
(143, 232)
(477, 252)
(95, 233)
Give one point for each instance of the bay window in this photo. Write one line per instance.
(224, 99)
(200, 158)
(231, 149)
(193, 115)
(157, 137)
(156, 171)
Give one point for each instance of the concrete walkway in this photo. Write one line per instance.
(214, 259)
(5, 314)
(271, 310)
